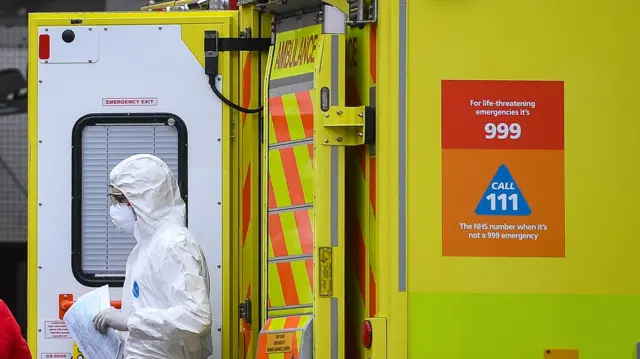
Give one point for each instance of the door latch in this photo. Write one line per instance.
(244, 310)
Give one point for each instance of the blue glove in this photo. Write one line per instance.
(110, 317)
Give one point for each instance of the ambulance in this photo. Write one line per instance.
(368, 179)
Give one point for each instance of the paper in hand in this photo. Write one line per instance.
(79, 319)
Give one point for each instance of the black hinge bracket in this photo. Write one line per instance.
(214, 44)
(244, 310)
(370, 125)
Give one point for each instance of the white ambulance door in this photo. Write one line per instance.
(105, 93)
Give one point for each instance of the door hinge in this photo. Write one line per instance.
(244, 310)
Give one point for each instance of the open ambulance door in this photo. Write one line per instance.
(306, 133)
(104, 86)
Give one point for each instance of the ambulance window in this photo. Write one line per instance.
(100, 142)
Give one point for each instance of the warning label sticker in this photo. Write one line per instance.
(279, 342)
(55, 356)
(56, 329)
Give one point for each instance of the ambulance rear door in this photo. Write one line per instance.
(103, 87)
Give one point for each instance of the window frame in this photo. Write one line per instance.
(91, 280)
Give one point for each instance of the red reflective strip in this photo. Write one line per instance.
(278, 119)
(305, 232)
(246, 205)
(262, 345)
(233, 4)
(246, 86)
(44, 47)
(310, 148)
(277, 236)
(291, 322)
(292, 175)
(288, 283)
(309, 265)
(305, 105)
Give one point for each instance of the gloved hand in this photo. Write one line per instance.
(110, 317)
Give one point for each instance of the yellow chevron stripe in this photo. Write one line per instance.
(276, 173)
(274, 287)
(272, 132)
(294, 120)
(270, 254)
(278, 323)
(304, 319)
(301, 278)
(291, 237)
(299, 336)
(305, 168)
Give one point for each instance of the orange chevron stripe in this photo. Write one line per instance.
(295, 350)
(305, 106)
(288, 284)
(292, 175)
(278, 120)
(305, 230)
(309, 265)
(292, 322)
(246, 86)
(289, 288)
(246, 205)
(293, 230)
(276, 236)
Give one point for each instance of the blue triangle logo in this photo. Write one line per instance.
(503, 197)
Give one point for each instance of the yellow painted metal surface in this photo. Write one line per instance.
(516, 307)
(252, 70)
(193, 26)
(304, 171)
(392, 303)
(328, 310)
(360, 200)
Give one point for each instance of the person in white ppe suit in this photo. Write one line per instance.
(165, 302)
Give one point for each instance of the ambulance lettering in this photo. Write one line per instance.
(296, 52)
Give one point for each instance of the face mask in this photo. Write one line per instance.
(123, 217)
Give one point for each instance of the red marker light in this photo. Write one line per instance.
(233, 4)
(44, 47)
(367, 334)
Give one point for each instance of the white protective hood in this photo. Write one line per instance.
(152, 190)
(166, 290)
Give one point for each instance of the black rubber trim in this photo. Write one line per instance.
(91, 280)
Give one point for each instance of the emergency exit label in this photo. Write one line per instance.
(503, 168)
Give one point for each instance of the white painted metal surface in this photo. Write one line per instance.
(131, 62)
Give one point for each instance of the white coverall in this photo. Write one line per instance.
(165, 298)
